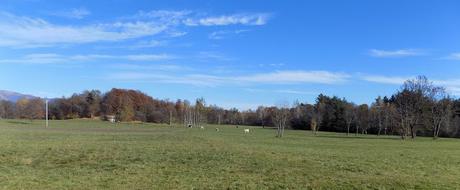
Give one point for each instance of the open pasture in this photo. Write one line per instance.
(89, 154)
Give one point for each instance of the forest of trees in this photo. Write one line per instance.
(419, 108)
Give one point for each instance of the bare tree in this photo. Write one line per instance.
(377, 114)
(390, 116)
(200, 111)
(2, 109)
(280, 118)
(7, 109)
(350, 116)
(411, 104)
(362, 118)
(188, 114)
(171, 109)
(320, 108)
(440, 110)
(313, 126)
(243, 117)
(262, 113)
(220, 114)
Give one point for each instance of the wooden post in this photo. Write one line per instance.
(46, 110)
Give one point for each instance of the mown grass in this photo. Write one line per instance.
(88, 154)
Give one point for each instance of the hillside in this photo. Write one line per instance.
(13, 96)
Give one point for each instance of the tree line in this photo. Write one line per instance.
(418, 108)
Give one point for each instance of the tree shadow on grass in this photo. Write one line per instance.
(366, 137)
(19, 122)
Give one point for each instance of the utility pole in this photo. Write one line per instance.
(46, 110)
(170, 117)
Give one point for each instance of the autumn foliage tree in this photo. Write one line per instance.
(418, 108)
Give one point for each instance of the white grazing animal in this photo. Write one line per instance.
(201, 127)
(246, 131)
(217, 129)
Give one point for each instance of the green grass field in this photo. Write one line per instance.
(87, 154)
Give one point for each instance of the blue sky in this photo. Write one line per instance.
(233, 53)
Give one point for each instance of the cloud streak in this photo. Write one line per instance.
(395, 53)
(212, 56)
(287, 77)
(393, 80)
(28, 32)
(33, 32)
(75, 13)
(454, 56)
(282, 91)
(50, 58)
(236, 19)
(451, 85)
(218, 35)
(278, 77)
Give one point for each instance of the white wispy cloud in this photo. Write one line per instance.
(27, 32)
(218, 35)
(150, 67)
(175, 34)
(320, 77)
(448, 82)
(281, 91)
(76, 13)
(192, 18)
(35, 32)
(235, 19)
(142, 77)
(282, 78)
(395, 53)
(146, 57)
(395, 80)
(272, 65)
(454, 56)
(288, 91)
(175, 16)
(279, 77)
(454, 90)
(452, 85)
(213, 56)
(35, 59)
(49, 58)
(149, 44)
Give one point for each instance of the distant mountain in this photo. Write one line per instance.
(13, 96)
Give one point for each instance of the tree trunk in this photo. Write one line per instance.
(170, 117)
(282, 131)
(348, 130)
(278, 130)
(437, 128)
(412, 132)
(403, 133)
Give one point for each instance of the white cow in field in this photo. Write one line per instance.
(217, 129)
(201, 127)
(246, 131)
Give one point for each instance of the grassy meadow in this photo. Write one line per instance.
(89, 154)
